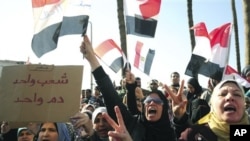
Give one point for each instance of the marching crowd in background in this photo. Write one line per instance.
(180, 111)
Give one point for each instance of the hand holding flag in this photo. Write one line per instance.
(56, 18)
(87, 50)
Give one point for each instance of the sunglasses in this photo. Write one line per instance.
(148, 100)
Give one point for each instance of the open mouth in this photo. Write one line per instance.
(229, 108)
(152, 111)
(103, 131)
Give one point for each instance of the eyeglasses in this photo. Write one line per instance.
(148, 100)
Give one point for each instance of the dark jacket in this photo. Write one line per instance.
(196, 108)
(9, 136)
(186, 131)
(94, 137)
(198, 133)
(139, 128)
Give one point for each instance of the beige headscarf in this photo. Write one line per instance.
(222, 128)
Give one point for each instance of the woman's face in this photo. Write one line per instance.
(101, 126)
(191, 89)
(25, 135)
(228, 103)
(48, 132)
(153, 107)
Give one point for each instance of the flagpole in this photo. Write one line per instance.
(91, 39)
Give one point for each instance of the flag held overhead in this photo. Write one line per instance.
(141, 17)
(143, 58)
(111, 54)
(56, 18)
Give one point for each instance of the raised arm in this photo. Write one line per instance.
(110, 95)
(181, 121)
(131, 93)
(89, 54)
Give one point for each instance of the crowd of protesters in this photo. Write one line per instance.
(180, 111)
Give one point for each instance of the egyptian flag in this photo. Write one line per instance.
(216, 58)
(143, 58)
(219, 40)
(56, 18)
(111, 54)
(141, 17)
(231, 73)
(202, 50)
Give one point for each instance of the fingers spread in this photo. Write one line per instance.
(119, 117)
(110, 120)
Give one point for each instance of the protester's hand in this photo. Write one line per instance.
(88, 52)
(130, 77)
(120, 132)
(82, 120)
(139, 93)
(178, 102)
(86, 48)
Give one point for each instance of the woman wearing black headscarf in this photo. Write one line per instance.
(196, 107)
(154, 116)
(194, 89)
(152, 123)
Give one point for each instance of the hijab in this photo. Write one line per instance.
(62, 130)
(222, 128)
(195, 83)
(97, 112)
(159, 130)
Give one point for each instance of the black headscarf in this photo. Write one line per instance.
(194, 112)
(195, 83)
(159, 130)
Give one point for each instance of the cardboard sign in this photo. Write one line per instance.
(38, 93)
